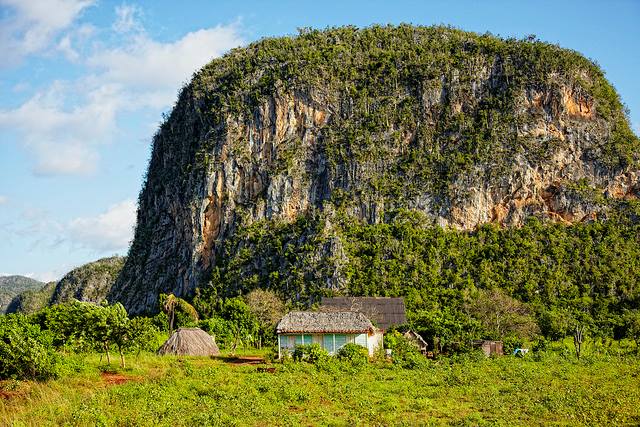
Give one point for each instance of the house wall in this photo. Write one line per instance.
(374, 342)
(330, 342)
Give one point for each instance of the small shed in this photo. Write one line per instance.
(190, 342)
(489, 348)
(382, 311)
(415, 338)
(331, 330)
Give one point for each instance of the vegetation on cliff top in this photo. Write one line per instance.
(379, 70)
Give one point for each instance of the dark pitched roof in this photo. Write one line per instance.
(324, 322)
(383, 312)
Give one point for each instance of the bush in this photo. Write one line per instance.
(311, 353)
(540, 344)
(354, 354)
(26, 351)
(510, 343)
(404, 353)
(220, 329)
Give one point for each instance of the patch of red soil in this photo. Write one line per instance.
(111, 378)
(245, 360)
(4, 394)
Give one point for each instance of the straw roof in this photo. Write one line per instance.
(346, 322)
(190, 342)
(383, 312)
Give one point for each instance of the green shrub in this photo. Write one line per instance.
(311, 353)
(404, 353)
(510, 343)
(540, 345)
(353, 353)
(26, 352)
(220, 329)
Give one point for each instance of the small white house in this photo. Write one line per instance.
(331, 330)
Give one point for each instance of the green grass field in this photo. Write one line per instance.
(552, 388)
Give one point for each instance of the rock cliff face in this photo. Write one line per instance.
(463, 128)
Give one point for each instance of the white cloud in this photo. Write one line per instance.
(3, 200)
(34, 25)
(63, 126)
(108, 232)
(156, 70)
(63, 139)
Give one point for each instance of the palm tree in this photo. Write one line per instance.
(170, 303)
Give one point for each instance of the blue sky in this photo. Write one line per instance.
(84, 83)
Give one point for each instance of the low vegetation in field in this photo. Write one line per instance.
(541, 388)
(57, 368)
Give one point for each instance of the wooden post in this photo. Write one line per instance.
(279, 355)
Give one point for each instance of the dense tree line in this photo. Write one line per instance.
(547, 277)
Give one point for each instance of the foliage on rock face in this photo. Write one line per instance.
(32, 301)
(325, 164)
(26, 352)
(554, 274)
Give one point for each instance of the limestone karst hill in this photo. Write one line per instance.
(366, 161)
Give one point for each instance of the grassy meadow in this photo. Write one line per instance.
(603, 387)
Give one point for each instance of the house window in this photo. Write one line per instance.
(327, 343)
(303, 339)
(341, 340)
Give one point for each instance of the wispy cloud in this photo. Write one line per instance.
(102, 234)
(128, 19)
(3, 200)
(109, 231)
(62, 140)
(63, 126)
(32, 26)
(154, 71)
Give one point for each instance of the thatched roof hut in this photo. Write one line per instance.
(190, 342)
(314, 322)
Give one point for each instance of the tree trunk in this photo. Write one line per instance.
(106, 350)
(122, 364)
(577, 340)
(171, 318)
